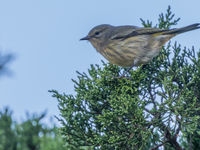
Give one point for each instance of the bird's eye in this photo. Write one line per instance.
(97, 33)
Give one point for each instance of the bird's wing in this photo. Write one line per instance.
(134, 31)
(118, 32)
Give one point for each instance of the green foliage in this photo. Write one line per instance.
(31, 134)
(156, 105)
(6, 131)
(29, 131)
(165, 21)
(105, 111)
(52, 140)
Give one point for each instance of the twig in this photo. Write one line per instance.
(163, 143)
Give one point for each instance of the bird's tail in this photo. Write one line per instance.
(184, 29)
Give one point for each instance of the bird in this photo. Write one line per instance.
(131, 46)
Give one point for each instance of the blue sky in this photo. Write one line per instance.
(44, 36)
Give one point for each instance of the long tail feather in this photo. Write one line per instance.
(184, 29)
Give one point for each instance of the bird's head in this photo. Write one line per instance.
(98, 35)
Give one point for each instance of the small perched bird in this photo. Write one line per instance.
(130, 46)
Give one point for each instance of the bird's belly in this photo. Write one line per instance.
(149, 55)
(133, 51)
(121, 62)
(125, 53)
(118, 57)
(130, 58)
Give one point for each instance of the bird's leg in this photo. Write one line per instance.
(144, 66)
(126, 71)
(124, 74)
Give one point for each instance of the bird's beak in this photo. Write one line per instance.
(86, 38)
